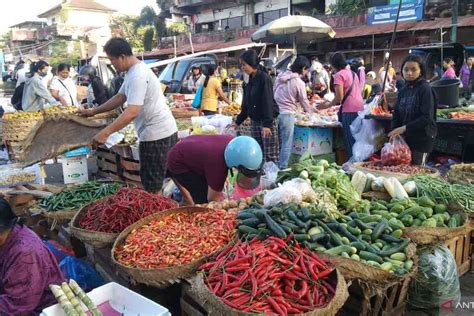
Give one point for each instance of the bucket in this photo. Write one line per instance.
(447, 91)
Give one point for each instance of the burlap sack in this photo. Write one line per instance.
(214, 306)
(57, 134)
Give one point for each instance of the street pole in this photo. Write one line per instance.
(442, 49)
(454, 21)
(392, 42)
(290, 4)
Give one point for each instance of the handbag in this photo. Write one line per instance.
(339, 113)
(197, 98)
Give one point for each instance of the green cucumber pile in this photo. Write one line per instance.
(357, 236)
(420, 212)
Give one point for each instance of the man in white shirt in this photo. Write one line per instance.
(21, 74)
(154, 122)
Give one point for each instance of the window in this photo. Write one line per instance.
(204, 27)
(232, 23)
(266, 17)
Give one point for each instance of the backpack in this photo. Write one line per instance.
(17, 97)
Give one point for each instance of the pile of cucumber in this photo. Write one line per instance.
(420, 212)
(356, 236)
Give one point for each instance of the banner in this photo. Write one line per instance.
(410, 11)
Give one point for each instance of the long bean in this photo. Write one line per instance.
(439, 189)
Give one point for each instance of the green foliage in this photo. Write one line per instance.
(148, 39)
(348, 7)
(178, 28)
(60, 54)
(147, 17)
(124, 26)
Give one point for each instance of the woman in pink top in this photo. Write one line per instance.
(347, 93)
(448, 64)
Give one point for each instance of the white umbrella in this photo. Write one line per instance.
(293, 29)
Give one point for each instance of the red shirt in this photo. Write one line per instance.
(202, 154)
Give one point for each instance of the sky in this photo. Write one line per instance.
(16, 11)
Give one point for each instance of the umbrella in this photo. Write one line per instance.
(293, 29)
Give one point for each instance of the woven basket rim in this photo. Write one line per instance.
(182, 271)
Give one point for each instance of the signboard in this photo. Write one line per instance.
(410, 11)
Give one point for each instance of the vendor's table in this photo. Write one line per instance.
(454, 136)
(316, 140)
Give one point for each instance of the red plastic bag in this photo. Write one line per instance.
(396, 152)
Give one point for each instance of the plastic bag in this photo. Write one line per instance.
(437, 280)
(369, 136)
(294, 191)
(270, 169)
(396, 152)
(81, 271)
(59, 251)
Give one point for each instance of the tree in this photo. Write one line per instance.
(348, 7)
(148, 38)
(178, 28)
(147, 17)
(125, 26)
(60, 54)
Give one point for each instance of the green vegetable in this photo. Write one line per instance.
(396, 248)
(408, 265)
(315, 230)
(386, 266)
(358, 245)
(397, 233)
(379, 229)
(397, 208)
(416, 222)
(428, 211)
(400, 256)
(274, 226)
(370, 256)
(248, 230)
(340, 249)
(75, 197)
(440, 208)
(431, 222)
(425, 201)
(252, 222)
(355, 257)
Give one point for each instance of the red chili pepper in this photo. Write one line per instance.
(277, 308)
(325, 273)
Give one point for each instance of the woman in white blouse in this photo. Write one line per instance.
(63, 87)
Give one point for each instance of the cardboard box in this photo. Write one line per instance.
(75, 169)
(315, 140)
(121, 299)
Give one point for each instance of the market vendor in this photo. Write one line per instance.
(155, 125)
(290, 91)
(414, 115)
(199, 165)
(36, 96)
(259, 105)
(27, 267)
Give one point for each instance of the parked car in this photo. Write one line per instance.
(176, 75)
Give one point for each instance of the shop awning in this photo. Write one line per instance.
(367, 30)
(186, 49)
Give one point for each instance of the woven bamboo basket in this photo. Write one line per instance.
(184, 113)
(93, 238)
(16, 130)
(160, 278)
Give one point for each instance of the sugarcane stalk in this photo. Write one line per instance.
(84, 298)
(72, 298)
(64, 302)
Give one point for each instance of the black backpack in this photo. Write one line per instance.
(17, 97)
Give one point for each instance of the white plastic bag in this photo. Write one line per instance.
(283, 194)
(368, 134)
(294, 191)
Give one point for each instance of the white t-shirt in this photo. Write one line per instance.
(142, 87)
(21, 75)
(67, 89)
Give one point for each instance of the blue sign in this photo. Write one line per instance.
(410, 11)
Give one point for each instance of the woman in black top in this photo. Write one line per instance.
(259, 105)
(414, 116)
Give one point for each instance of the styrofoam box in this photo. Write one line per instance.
(121, 299)
(75, 169)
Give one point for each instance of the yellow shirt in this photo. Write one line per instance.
(209, 95)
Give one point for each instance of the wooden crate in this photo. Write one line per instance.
(130, 164)
(460, 247)
(363, 301)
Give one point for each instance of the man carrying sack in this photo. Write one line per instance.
(154, 122)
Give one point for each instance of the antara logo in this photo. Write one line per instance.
(450, 306)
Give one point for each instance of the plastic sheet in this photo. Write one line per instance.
(84, 273)
(437, 280)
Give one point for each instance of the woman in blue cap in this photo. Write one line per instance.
(199, 165)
